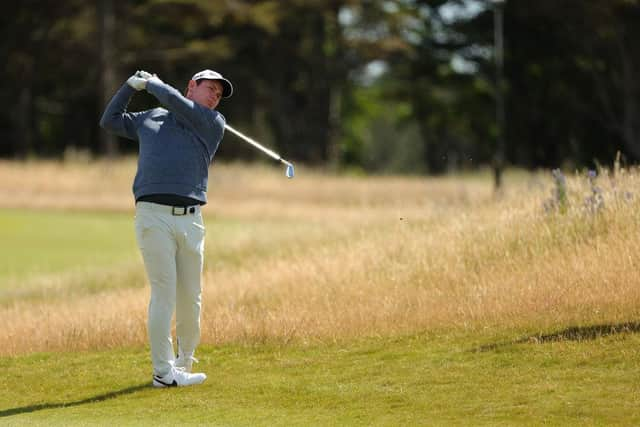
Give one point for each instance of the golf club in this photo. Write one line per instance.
(288, 172)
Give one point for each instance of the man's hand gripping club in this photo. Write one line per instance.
(138, 81)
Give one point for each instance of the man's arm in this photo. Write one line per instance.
(208, 123)
(115, 118)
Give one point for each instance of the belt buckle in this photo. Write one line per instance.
(175, 210)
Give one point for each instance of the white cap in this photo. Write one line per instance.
(227, 87)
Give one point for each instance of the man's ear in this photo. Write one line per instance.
(190, 86)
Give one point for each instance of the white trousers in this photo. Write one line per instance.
(172, 248)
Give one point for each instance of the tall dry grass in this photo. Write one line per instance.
(359, 257)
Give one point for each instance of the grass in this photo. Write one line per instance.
(330, 300)
(37, 242)
(62, 251)
(415, 380)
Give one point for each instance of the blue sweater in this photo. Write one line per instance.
(177, 144)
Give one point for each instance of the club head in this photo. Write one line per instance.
(289, 172)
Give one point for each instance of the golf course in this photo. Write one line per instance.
(329, 299)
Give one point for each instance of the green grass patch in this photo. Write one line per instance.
(36, 243)
(41, 243)
(48, 253)
(417, 380)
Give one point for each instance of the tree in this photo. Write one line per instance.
(108, 71)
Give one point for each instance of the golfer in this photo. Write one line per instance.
(177, 143)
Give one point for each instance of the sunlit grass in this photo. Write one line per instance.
(325, 258)
(426, 379)
(39, 242)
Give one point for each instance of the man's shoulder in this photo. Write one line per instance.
(213, 117)
(219, 116)
(218, 123)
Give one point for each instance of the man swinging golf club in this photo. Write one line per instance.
(177, 143)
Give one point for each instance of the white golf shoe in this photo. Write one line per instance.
(178, 377)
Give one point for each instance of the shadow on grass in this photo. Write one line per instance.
(574, 333)
(99, 398)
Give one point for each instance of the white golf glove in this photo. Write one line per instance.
(137, 82)
(144, 74)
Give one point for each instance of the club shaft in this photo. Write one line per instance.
(265, 150)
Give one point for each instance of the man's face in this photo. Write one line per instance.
(208, 93)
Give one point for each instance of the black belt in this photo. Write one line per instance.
(169, 200)
(173, 210)
(180, 205)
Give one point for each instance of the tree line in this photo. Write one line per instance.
(380, 85)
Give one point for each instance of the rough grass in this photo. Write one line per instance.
(325, 258)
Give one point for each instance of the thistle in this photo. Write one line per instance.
(559, 200)
(594, 203)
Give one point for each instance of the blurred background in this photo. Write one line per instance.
(416, 87)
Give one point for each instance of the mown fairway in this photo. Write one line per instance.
(418, 380)
(328, 300)
(41, 243)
